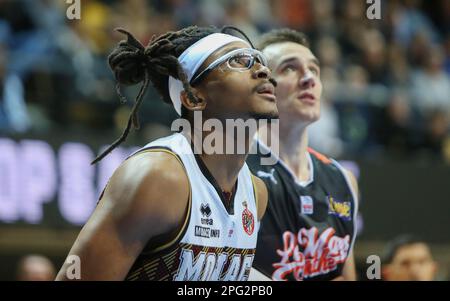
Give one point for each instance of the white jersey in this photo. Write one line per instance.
(212, 244)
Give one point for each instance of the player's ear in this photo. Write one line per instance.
(196, 104)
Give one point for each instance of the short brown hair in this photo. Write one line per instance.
(283, 35)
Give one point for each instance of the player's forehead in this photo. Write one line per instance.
(413, 251)
(282, 52)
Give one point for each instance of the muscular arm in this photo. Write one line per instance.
(146, 196)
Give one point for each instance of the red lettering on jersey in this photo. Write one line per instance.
(321, 254)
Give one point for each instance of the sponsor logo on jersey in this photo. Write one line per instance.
(339, 208)
(263, 174)
(210, 266)
(202, 232)
(215, 233)
(205, 210)
(206, 232)
(248, 220)
(306, 204)
(309, 254)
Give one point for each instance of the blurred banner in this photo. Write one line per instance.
(52, 184)
(49, 182)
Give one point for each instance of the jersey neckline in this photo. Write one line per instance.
(288, 170)
(211, 181)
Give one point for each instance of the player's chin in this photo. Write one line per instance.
(265, 114)
(266, 110)
(309, 118)
(309, 114)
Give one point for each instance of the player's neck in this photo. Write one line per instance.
(293, 147)
(293, 150)
(224, 166)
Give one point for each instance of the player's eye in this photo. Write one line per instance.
(314, 70)
(240, 61)
(288, 69)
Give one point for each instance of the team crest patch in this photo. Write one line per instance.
(339, 208)
(248, 220)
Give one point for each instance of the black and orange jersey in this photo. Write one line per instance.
(308, 229)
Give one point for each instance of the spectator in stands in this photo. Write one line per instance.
(35, 268)
(408, 258)
(431, 85)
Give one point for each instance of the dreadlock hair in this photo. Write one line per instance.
(133, 63)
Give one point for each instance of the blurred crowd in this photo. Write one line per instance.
(386, 81)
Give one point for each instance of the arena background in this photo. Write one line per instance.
(386, 110)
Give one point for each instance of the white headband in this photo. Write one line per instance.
(193, 57)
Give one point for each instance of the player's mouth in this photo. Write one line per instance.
(266, 90)
(307, 98)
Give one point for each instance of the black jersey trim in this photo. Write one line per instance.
(205, 171)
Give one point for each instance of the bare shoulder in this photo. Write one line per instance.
(150, 182)
(262, 195)
(147, 196)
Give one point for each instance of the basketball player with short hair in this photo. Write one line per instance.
(168, 213)
(308, 230)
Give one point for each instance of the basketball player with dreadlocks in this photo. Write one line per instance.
(169, 213)
(308, 230)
